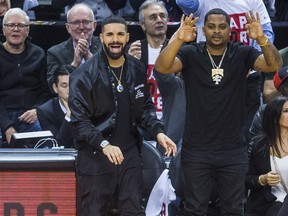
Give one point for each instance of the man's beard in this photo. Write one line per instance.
(113, 55)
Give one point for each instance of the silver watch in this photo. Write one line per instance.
(104, 143)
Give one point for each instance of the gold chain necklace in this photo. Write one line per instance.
(120, 87)
(217, 73)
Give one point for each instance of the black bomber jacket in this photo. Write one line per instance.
(93, 102)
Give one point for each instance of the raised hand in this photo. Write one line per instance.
(83, 47)
(187, 31)
(253, 26)
(135, 49)
(81, 51)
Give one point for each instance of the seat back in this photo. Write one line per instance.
(153, 165)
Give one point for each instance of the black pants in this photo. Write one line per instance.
(227, 168)
(121, 181)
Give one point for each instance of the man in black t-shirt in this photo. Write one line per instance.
(215, 73)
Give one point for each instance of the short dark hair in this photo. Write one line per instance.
(114, 19)
(217, 11)
(61, 71)
(271, 122)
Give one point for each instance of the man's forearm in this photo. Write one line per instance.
(271, 55)
(166, 58)
(268, 31)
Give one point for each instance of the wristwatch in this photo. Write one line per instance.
(104, 143)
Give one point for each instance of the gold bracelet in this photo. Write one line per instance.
(265, 43)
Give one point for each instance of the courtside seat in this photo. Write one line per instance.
(153, 165)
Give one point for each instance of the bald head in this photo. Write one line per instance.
(80, 7)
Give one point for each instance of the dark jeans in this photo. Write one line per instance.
(284, 209)
(20, 126)
(227, 168)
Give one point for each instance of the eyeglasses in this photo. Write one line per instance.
(85, 23)
(12, 26)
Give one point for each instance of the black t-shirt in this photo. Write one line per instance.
(122, 134)
(215, 103)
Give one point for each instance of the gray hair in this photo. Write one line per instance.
(147, 4)
(16, 11)
(80, 5)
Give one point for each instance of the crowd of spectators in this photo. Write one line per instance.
(129, 9)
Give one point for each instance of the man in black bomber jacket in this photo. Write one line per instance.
(109, 100)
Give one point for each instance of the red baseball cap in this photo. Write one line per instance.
(280, 76)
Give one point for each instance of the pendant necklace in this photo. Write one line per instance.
(120, 87)
(217, 73)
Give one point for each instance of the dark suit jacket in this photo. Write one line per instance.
(51, 117)
(62, 54)
(144, 50)
(260, 198)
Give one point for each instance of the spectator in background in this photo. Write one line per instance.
(105, 8)
(172, 91)
(54, 115)
(236, 9)
(280, 81)
(23, 4)
(174, 12)
(23, 84)
(270, 91)
(5, 5)
(267, 177)
(153, 18)
(79, 47)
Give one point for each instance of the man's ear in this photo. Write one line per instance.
(143, 27)
(67, 27)
(55, 89)
(128, 37)
(101, 37)
(95, 24)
